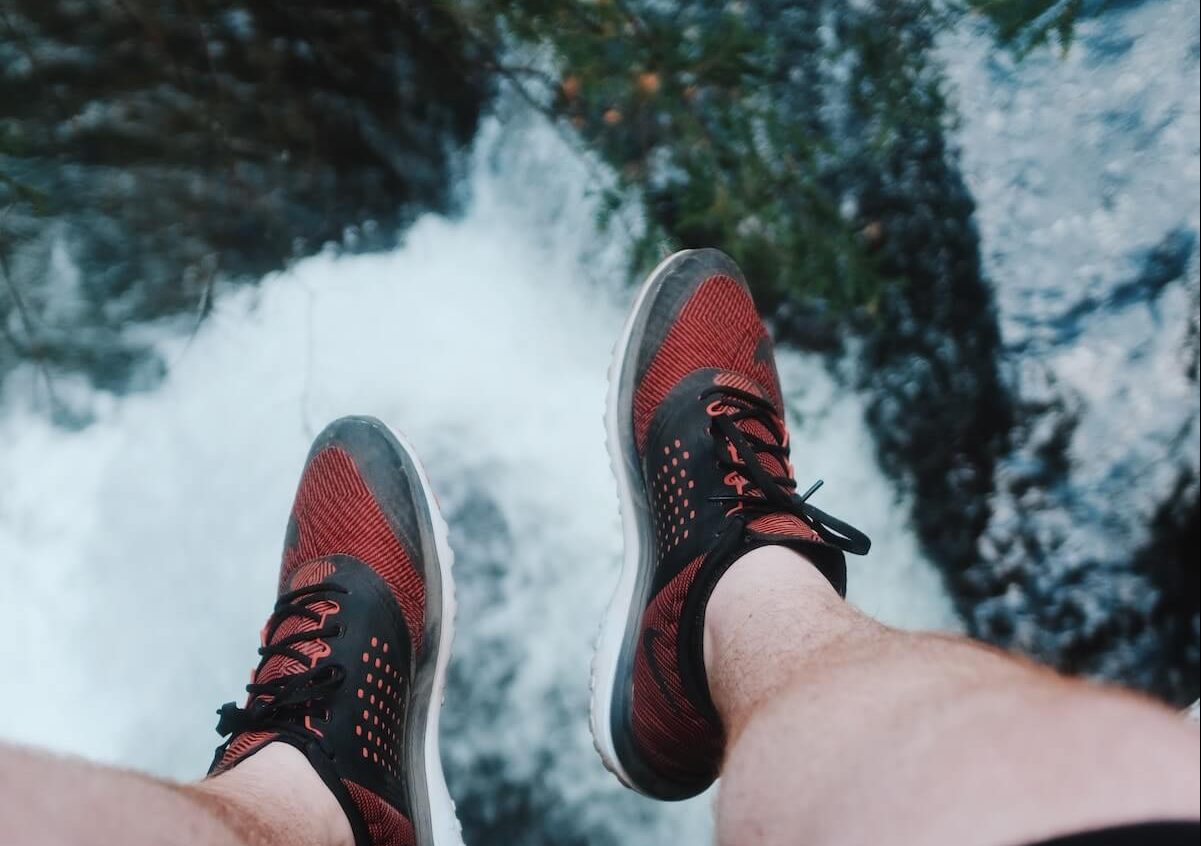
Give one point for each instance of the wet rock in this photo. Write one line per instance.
(149, 151)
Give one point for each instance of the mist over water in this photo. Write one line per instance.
(146, 544)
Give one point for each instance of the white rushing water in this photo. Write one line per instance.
(1083, 163)
(1086, 168)
(143, 547)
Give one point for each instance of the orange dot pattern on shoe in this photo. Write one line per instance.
(381, 688)
(674, 505)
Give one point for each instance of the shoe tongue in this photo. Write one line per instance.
(278, 666)
(309, 573)
(772, 465)
(782, 526)
(730, 379)
(785, 527)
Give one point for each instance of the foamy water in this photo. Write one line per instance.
(1085, 166)
(144, 547)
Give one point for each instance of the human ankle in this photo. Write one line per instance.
(768, 615)
(276, 796)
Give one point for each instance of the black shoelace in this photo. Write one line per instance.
(283, 703)
(759, 491)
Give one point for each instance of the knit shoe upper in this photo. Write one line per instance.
(703, 462)
(349, 655)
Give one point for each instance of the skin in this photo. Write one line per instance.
(272, 798)
(840, 731)
(844, 731)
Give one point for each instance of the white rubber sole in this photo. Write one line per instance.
(619, 627)
(435, 821)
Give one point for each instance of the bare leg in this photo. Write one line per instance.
(844, 731)
(272, 798)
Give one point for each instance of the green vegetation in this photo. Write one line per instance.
(753, 124)
(712, 111)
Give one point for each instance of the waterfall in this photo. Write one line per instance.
(144, 546)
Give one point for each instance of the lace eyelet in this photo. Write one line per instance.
(340, 630)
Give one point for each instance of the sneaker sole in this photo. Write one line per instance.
(616, 645)
(434, 819)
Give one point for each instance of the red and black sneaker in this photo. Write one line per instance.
(353, 661)
(699, 447)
